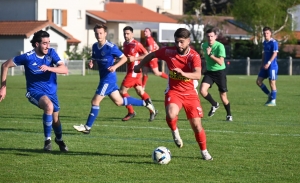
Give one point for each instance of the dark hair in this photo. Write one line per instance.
(128, 28)
(214, 30)
(267, 29)
(37, 37)
(182, 33)
(148, 29)
(100, 26)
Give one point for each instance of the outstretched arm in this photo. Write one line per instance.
(4, 69)
(148, 58)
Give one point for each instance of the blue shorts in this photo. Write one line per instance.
(270, 73)
(34, 97)
(105, 89)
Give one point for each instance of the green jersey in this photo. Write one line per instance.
(218, 50)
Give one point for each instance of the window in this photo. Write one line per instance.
(140, 2)
(167, 4)
(79, 14)
(57, 16)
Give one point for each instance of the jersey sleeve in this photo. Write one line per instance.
(20, 60)
(275, 46)
(141, 49)
(116, 52)
(221, 51)
(196, 61)
(55, 58)
(160, 54)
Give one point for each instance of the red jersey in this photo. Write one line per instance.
(152, 44)
(186, 63)
(135, 49)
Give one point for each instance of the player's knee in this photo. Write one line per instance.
(203, 92)
(48, 107)
(258, 82)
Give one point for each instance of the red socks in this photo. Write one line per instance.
(172, 123)
(129, 107)
(201, 139)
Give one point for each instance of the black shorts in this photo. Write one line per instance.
(218, 77)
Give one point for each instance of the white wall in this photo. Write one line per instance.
(170, 6)
(75, 26)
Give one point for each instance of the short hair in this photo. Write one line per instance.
(182, 33)
(128, 28)
(267, 29)
(37, 37)
(100, 26)
(148, 29)
(214, 30)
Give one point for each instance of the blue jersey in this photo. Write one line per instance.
(269, 48)
(37, 80)
(105, 57)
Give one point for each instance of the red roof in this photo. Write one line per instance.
(28, 28)
(129, 12)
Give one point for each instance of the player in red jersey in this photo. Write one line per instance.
(134, 51)
(151, 46)
(184, 66)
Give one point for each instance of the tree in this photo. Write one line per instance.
(256, 14)
(207, 7)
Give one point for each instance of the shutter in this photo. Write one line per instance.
(64, 17)
(50, 15)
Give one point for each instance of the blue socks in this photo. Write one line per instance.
(273, 94)
(264, 89)
(132, 101)
(47, 123)
(92, 116)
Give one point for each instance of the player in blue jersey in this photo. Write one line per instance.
(269, 67)
(40, 74)
(104, 54)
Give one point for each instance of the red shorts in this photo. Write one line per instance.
(130, 82)
(190, 103)
(152, 64)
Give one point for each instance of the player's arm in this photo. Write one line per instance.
(122, 61)
(59, 69)
(132, 59)
(218, 60)
(196, 75)
(147, 59)
(4, 70)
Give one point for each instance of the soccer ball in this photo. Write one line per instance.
(161, 155)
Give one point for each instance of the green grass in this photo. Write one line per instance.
(260, 145)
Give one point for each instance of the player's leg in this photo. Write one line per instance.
(116, 97)
(141, 92)
(259, 81)
(221, 82)
(56, 125)
(194, 113)
(124, 92)
(145, 75)
(206, 83)
(272, 82)
(173, 105)
(47, 106)
(154, 65)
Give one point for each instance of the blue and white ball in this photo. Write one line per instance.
(161, 155)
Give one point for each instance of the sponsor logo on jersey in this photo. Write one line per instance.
(176, 76)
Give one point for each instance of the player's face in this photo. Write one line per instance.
(128, 35)
(267, 35)
(147, 32)
(43, 46)
(182, 45)
(211, 38)
(100, 35)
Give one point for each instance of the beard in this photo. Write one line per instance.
(182, 51)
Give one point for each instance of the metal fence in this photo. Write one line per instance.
(246, 66)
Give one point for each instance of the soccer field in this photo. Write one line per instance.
(260, 145)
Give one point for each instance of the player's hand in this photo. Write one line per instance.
(208, 50)
(112, 68)
(266, 66)
(91, 64)
(130, 59)
(45, 68)
(137, 69)
(2, 93)
(178, 71)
